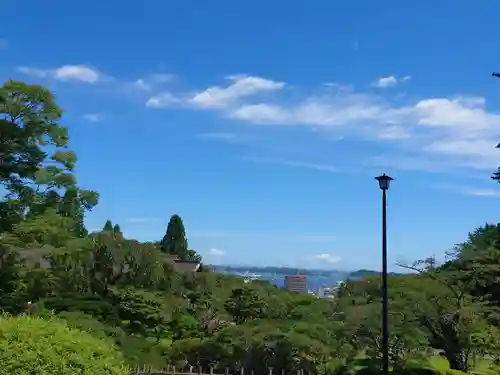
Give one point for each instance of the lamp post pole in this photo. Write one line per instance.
(384, 182)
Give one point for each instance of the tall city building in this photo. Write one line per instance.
(296, 283)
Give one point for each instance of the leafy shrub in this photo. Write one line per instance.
(455, 372)
(439, 363)
(419, 371)
(487, 371)
(31, 345)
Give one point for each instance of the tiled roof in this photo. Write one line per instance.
(186, 266)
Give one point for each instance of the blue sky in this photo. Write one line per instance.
(264, 123)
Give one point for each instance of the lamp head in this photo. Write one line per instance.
(384, 181)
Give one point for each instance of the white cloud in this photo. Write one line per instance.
(385, 82)
(483, 192)
(455, 127)
(163, 100)
(241, 86)
(452, 131)
(33, 71)
(342, 87)
(216, 252)
(76, 72)
(80, 73)
(390, 81)
(152, 81)
(468, 190)
(141, 84)
(327, 258)
(261, 113)
(93, 117)
(394, 132)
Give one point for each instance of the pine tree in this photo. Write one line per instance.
(174, 242)
(117, 229)
(108, 226)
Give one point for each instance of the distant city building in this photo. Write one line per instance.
(296, 283)
(321, 292)
(326, 292)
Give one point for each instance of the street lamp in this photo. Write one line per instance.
(384, 181)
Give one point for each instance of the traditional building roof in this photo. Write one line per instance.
(186, 266)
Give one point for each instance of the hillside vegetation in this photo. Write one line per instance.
(57, 280)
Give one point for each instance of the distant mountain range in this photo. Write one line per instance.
(276, 275)
(332, 274)
(366, 273)
(278, 270)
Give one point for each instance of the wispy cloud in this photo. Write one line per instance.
(456, 131)
(453, 131)
(216, 252)
(470, 190)
(241, 86)
(151, 82)
(483, 192)
(77, 73)
(294, 164)
(328, 258)
(390, 81)
(163, 100)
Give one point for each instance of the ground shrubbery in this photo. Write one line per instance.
(30, 345)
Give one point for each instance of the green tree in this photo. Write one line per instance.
(475, 263)
(141, 312)
(244, 304)
(450, 316)
(359, 307)
(33, 178)
(108, 226)
(175, 242)
(117, 229)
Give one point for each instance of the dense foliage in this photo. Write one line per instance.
(129, 295)
(48, 346)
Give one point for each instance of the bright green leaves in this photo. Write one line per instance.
(21, 99)
(66, 158)
(50, 228)
(52, 176)
(28, 121)
(88, 198)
